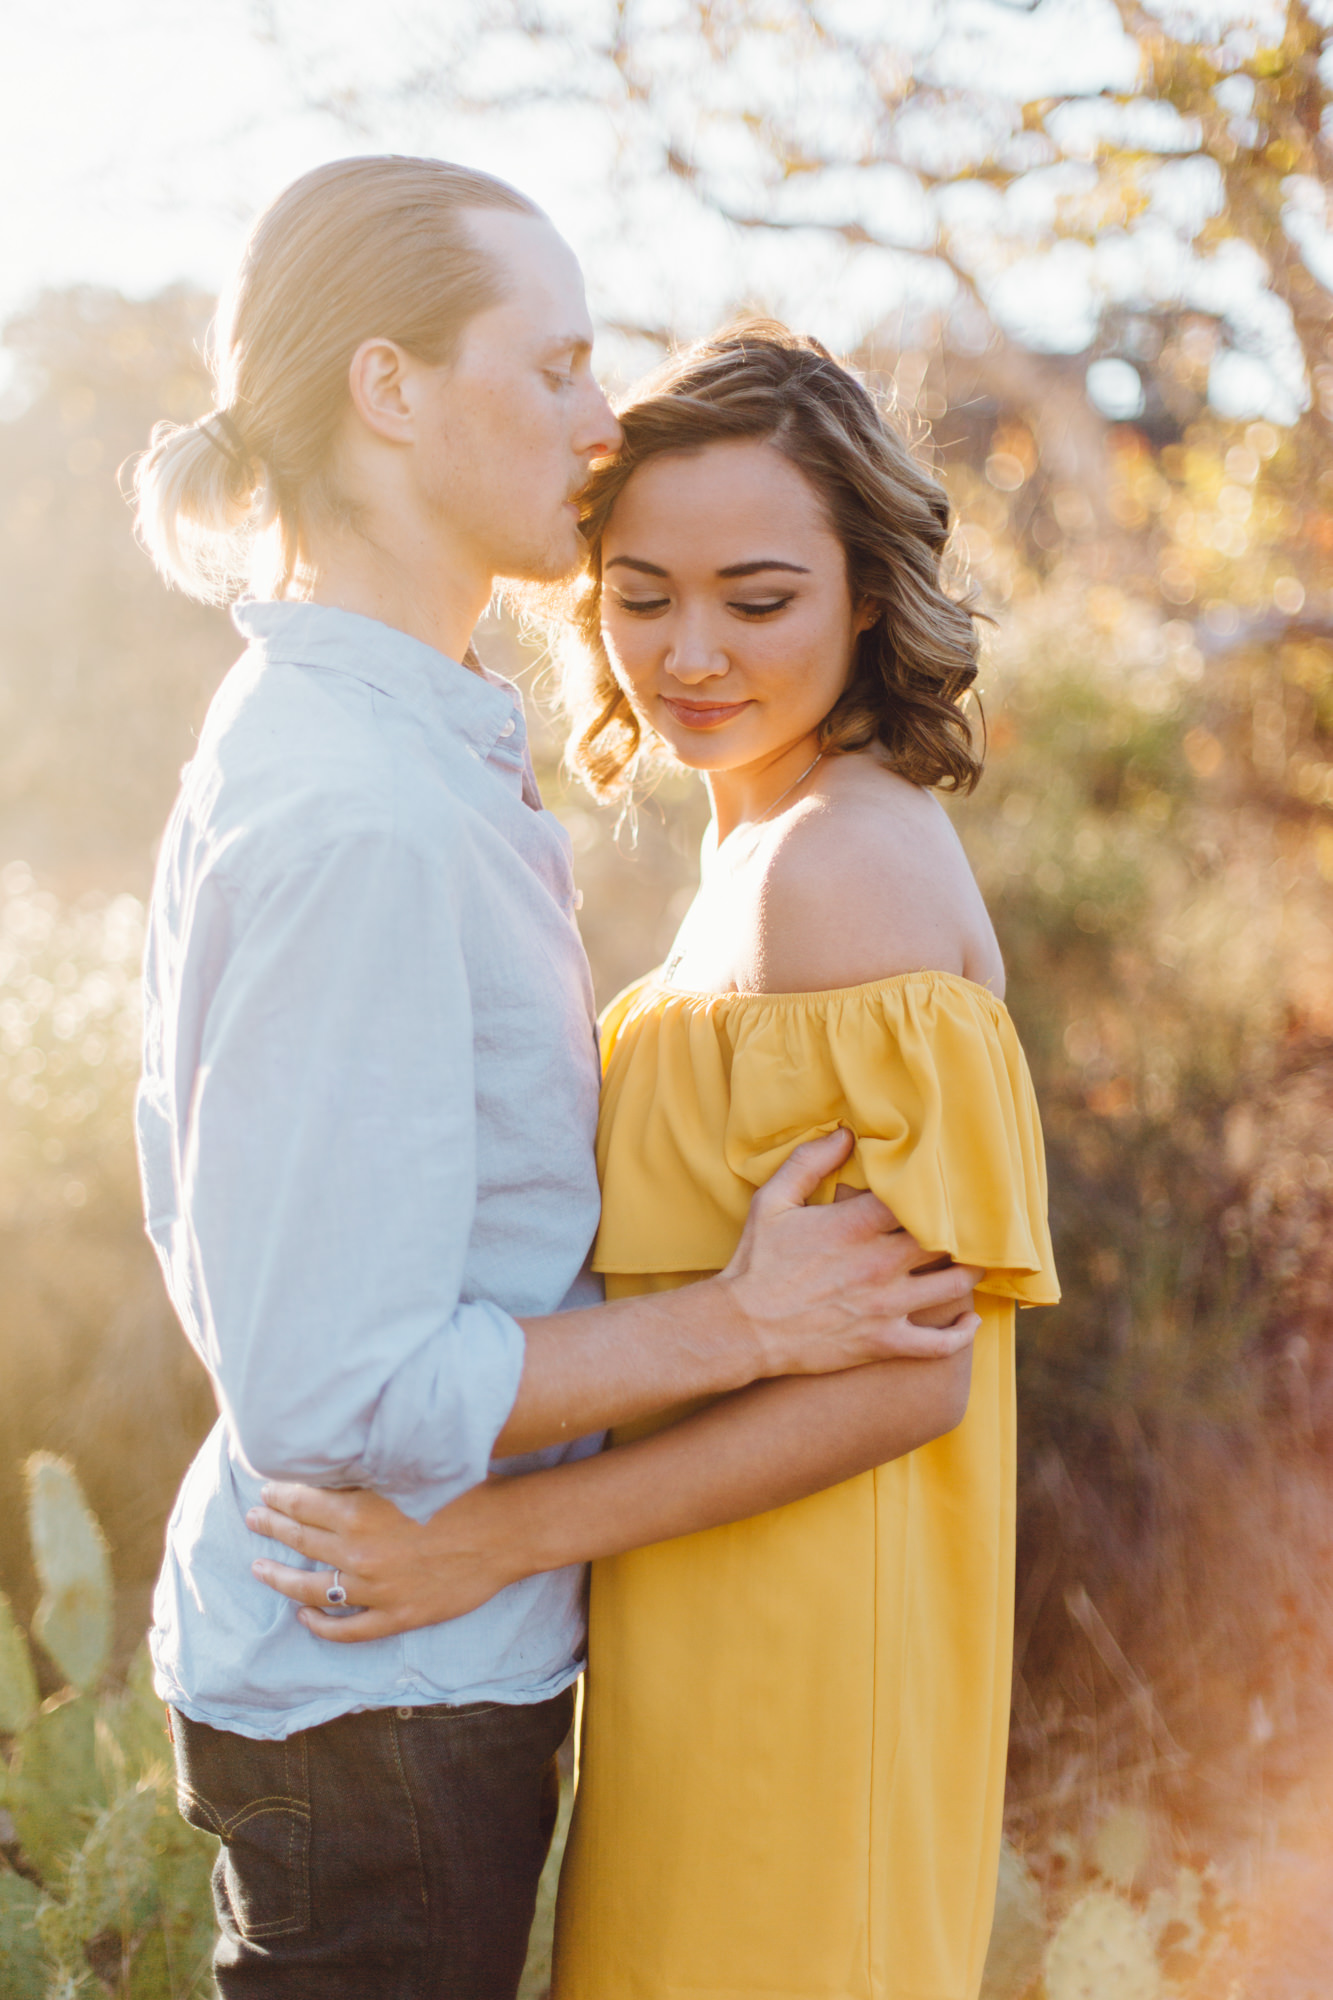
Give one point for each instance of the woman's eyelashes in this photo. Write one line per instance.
(639, 606)
(645, 607)
(765, 609)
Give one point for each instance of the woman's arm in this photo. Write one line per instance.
(760, 1448)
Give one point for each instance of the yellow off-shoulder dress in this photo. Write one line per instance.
(792, 1765)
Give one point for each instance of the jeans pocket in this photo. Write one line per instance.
(256, 1798)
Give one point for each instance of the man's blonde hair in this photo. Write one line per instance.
(355, 250)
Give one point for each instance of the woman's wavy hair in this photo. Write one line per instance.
(756, 379)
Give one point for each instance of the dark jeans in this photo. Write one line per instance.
(392, 1855)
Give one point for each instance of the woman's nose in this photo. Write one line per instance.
(693, 666)
(693, 655)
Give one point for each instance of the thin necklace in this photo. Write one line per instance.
(769, 810)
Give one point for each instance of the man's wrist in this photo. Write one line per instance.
(743, 1354)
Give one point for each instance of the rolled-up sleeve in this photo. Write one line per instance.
(328, 1174)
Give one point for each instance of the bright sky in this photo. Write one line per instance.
(138, 139)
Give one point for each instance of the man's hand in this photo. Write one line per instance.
(809, 1291)
(828, 1288)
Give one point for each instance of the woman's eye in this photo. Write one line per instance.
(558, 380)
(639, 604)
(763, 610)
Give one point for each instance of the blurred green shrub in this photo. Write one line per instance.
(103, 1887)
(69, 1047)
(1167, 937)
(92, 1362)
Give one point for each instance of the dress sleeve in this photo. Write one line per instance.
(933, 1082)
(926, 1071)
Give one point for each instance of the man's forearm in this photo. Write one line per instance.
(753, 1450)
(808, 1291)
(763, 1447)
(602, 1365)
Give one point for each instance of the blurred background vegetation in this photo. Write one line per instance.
(1145, 506)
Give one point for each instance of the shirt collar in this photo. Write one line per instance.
(394, 663)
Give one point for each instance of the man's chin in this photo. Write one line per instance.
(556, 563)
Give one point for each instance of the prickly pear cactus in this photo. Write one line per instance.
(134, 1907)
(132, 1729)
(73, 1620)
(86, 1792)
(22, 1969)
(55, 1786)
(1102, 1951)
(18, 1683)
(1018, 1934)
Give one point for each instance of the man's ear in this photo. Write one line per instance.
(379, 383)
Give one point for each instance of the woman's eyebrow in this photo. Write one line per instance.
(732, 570)
(754, 568)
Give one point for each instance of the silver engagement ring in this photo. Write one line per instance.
(335, 1594)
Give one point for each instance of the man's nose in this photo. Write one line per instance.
(602, 433)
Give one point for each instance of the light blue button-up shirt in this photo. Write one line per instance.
(366, 1130)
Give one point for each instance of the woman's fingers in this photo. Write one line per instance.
(318, 1543)
(315, 1506)
(349, 1631)
(309, 1586)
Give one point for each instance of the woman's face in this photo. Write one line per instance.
(726, 613)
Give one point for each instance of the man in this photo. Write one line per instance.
(369, 1096)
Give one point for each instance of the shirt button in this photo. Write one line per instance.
(578, 899)
(404, 1715)
(507, 728)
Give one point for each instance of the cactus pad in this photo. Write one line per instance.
(73, 1620)
(55, 1786)
(18, 1683)
(137, 1721)
(22, 1976)
(135, 1899)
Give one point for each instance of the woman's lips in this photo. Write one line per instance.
(703, 714)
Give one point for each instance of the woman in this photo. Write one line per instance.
(794, 1743)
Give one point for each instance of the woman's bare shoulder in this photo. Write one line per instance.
(868, 879)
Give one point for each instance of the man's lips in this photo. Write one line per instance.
(702, 714)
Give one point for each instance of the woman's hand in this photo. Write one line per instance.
(399, 1574)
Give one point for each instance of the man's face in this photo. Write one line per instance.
(515, 419)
